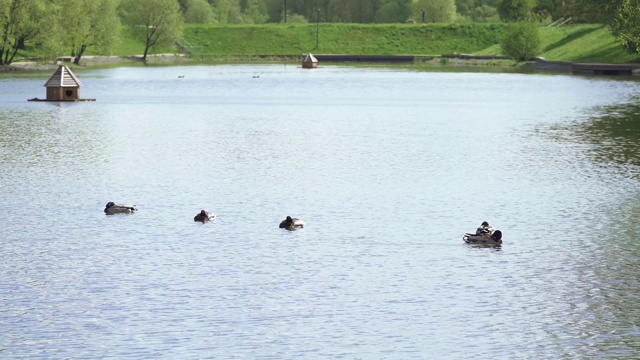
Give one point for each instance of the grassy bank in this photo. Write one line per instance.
(342, 39)
(583, 43)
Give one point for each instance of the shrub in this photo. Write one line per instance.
(522, 41)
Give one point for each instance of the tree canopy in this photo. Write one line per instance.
(154, 22)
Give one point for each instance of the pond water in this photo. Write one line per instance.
(388, 168)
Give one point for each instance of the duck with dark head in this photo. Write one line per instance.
(113, 208)
(204, 216)
(291, 223)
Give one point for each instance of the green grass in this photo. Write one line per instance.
(341, 39)
(584, 43)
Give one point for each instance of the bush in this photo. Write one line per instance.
(523, 41)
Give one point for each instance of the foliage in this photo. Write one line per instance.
(548, 9)
(438, 11)
(516, 10)
(523, 41)
(254, 12)
(88, 23)
(227, 12)
(465, 7)
(21, 21)
(154, 22)
(198, 12)
(391, 12)
(484, 13)
(626, 25)
(296, 19)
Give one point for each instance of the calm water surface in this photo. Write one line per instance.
(389, 168)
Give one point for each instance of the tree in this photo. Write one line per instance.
(626, 25)
(484, 13)
(549, 8)
(437, 10)
(154, 22)
(515, 10)
(227, 11)
(254, 12)
(465, 7)
(523, 41)
(198, 12)
(392, 12)
(20, 20)
(88, 23)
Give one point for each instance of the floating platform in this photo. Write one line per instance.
(69, 100)
(605, 69)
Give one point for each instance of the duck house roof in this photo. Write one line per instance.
(309, 58)
(63, 77)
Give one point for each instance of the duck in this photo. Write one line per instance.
(204, 216)
(493, 238)
(113, 208)
(291, 223)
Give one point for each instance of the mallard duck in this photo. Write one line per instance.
(494, 238)
(113, 208)
(204, 216)
(291, 223)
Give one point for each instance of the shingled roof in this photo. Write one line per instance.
(63, 77)
(309, 58)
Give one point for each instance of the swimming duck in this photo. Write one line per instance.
(291, 223)
(113, 208)
(494, 238)
(204, 216)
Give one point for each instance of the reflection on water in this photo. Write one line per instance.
(613, 133)
(609, 137)
(388, 168)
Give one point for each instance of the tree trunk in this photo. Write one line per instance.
(13, 55)
(76, 60)
(146, 51)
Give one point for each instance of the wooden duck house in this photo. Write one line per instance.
(309, 62)
(63, 86)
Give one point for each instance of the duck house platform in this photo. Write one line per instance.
(63, 86)
(74, 100)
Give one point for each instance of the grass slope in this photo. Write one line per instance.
(357, 39)
(583, 43)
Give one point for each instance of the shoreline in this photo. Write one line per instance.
(445, 60)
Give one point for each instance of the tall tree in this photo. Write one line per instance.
(20, 20)
(87, 23)
(154, 22)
